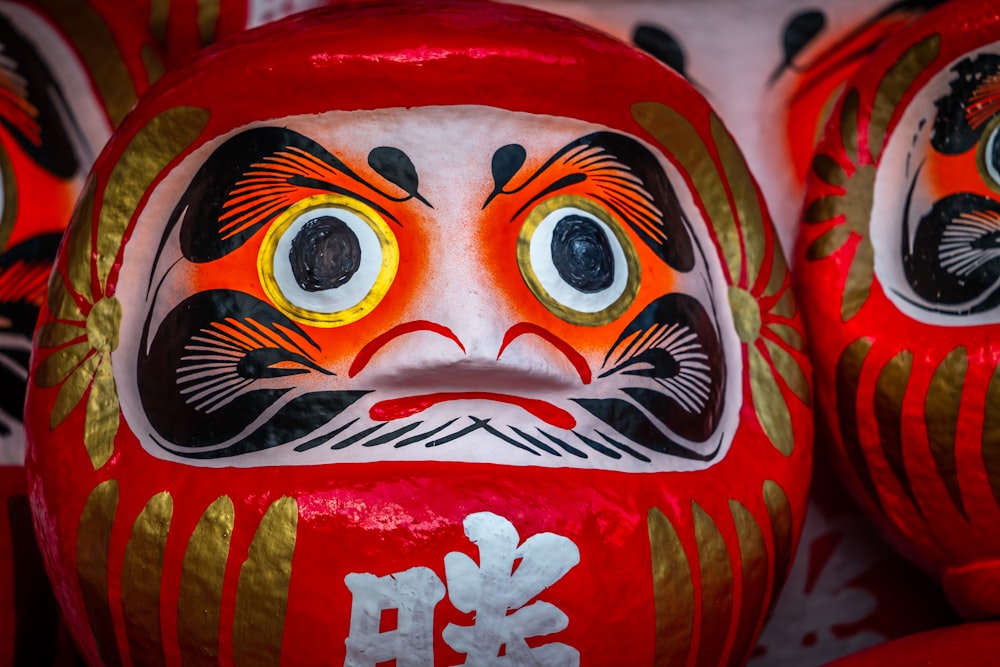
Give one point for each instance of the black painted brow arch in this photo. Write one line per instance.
(677, 248)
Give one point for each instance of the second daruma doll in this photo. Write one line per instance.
(426, 334)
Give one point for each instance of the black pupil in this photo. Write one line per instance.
(325, 254)
(582, 255)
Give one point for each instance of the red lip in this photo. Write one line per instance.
(405, 407)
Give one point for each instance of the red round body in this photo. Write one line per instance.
(896, 268)
(70, 72)
(970, 645)
(327, 372)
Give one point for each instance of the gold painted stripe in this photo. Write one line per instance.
(202, 574)
(785, 306)
(679, 137)
(81, 227)
(9, 198)
(754, 562)
(769, 403)
(789, 369)
(779, 273)
(849, 366)
(849, 124)
(780, 512)
(890, 388)
(208, 19)
(159, 12)
(673, 592)
(93, 542)
(897, 79)
(152, 63)
(97, 46)
(829, 170)
(748, 211)
(142, 572)
(149, 152)
(941, 408)
(102, 419)
(991, 435)
(716, 588)
(789, 334)
(858, 284)
(262, 592)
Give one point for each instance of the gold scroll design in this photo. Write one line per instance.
(261, 594)
(849, 180)
(77, 342)
(759, 293)
(98, 49)
(728, 624)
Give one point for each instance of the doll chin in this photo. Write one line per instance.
(974, 590)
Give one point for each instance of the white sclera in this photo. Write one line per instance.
(540, 252)
(335, 299)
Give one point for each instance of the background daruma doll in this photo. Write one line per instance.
(440, 334)
(897, 263)
(69, 71)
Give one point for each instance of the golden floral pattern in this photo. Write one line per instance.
(849, 180)
(760, 296)
(77, 340)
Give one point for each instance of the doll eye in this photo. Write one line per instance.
(577, 261)
(328, 260)
(988, 155)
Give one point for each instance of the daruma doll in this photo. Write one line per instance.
(442, 334)
(897, 268)
(68, 74)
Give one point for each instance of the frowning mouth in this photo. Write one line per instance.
(399, 408)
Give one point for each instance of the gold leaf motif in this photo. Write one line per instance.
(789, 334)
(991, 435)
(79, 256)
(142, 574)
(208, 18)
(9, 198)
(151, 63)
(681, 140)
(849, 124)
(785, 306)
(202, 574)
(673, 591)
(769, 404)
(779, 271)
(754, 563)
(101, 424)
(780, 512)
(98, 48)
(93, 542)
(941, 411)
(890, 389)
(849, 367)
(893, 85)
(148, 153)
(823, 209)
(262, 592)
(789, 370)
(829, 170)
(716, 588)
(60, 365)
(745, 198)
(859, 280)
(72, 390)
(828, 243)
(54, 334)
(746, 314)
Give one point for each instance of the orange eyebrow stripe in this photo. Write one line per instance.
(984, 102)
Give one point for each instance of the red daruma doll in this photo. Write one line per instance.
(898, 265)
(450, 334)
(69, 71)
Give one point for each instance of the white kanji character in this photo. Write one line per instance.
(494, 588)
(413, 593)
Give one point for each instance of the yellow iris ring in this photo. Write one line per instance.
(386, 275)
(982, 159)
(571, 315)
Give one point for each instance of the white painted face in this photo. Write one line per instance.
(770, 68)
(936, 215)
(403, 285)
